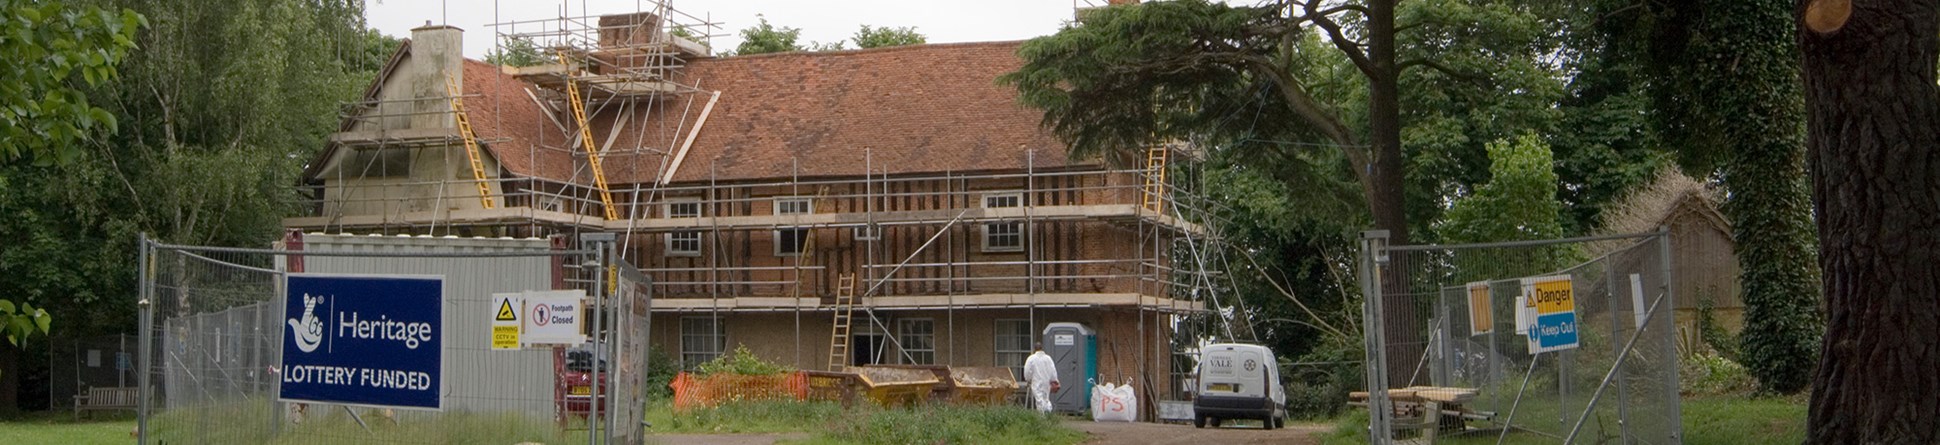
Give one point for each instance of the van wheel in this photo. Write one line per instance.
(1198, 421)
(1215, 422)
(1267, 423)
(1279, 422)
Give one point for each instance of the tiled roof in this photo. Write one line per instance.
(915, 109)
(500, 108)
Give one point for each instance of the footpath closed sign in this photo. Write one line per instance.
(371, 340)
(554, 318)
(1554, 299)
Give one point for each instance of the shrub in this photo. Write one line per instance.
(742, 362)
(1712, 374)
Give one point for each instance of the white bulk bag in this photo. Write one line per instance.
(1114, 403)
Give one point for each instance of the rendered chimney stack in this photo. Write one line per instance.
(437, 52)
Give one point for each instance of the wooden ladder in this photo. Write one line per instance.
(1155, 178)
(471, 141)
(844, 315)
(586, 140)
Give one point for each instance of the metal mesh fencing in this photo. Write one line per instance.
(77, 364)
(1568, 341)
(214, 326)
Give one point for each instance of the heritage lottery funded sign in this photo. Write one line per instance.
(369, 340)
(1554, 300)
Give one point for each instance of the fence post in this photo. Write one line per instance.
(601, 245)
(1379, 408)
(145, 281)
(1670, 295)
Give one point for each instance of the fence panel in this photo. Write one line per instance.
(217, 323)
(1489, 323)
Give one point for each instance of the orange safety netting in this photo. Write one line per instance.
(696, 391)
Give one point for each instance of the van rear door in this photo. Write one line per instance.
(1234, 373)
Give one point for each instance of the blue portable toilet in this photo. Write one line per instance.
(1074, 348)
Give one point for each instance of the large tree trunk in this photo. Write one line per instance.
(1405, 332)
(1874, 139)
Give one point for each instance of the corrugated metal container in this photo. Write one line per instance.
(476, 378)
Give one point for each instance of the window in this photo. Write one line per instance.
(684, 244)
(791, 242)
(1006, 236)
(794, 206)
(1013, 344)
(684, 208)
(918, 337)
(701, 339)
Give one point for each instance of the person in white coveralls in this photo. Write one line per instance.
(1043, 375)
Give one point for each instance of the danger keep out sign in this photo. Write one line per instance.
(1554, 301)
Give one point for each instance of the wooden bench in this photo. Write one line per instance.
(1429, 410)
(100, 398)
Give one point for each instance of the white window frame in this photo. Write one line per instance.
(675, 239)
(690, 358)
(904, 337)
(997, 343)
(808, 205)
(672, 203)
(808, 208)
(991, 230)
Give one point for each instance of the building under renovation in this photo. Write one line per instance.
(823, 209)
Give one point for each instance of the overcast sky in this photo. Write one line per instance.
(821, 21)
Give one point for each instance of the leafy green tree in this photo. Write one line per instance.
(516, 51)
(869, 37)
(764, 38)
(218, 112)
(51, 48)
(1518, 203)
(1723, 87)
(1304, 98)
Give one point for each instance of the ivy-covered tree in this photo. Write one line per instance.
(869, 37)
(1723, 87)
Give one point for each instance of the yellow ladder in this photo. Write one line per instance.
(844, 313)
(1155, 178)
(586, 140)
(471, 141)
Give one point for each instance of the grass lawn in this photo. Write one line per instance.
(829, 423)
(60, 428)
(1726, 419)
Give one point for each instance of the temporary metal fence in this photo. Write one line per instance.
(77, 364)
(1478, 332)
(213, 328)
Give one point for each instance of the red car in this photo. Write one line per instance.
(572, 391)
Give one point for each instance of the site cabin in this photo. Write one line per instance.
(1239, 381)
(750, 188)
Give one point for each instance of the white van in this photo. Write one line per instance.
(1238, 381)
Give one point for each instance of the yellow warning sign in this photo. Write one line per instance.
(505, 311)
(505, 337)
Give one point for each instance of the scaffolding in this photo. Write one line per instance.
(1132, 240)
